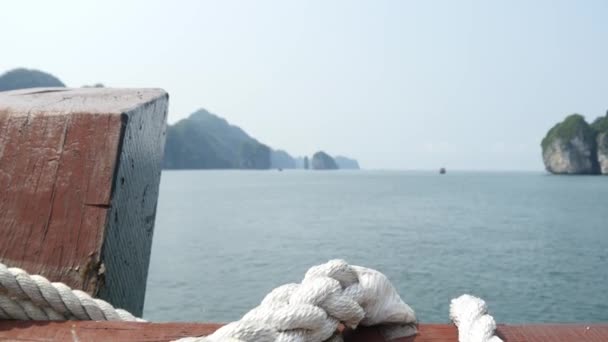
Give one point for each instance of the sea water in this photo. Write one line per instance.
(533, 245)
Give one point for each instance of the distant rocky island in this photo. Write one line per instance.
(207, 141)
(323, 161)
(22, 78)
(346, 163)
(203, 140)
(574, 146)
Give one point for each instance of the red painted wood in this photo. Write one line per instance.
(62, 153)
(132, 332)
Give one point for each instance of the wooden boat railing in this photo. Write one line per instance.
(132, 332)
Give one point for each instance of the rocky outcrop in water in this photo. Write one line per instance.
(575, 147)
(282, 159)
(207, 141)
(569, 147)
(323, 161)
(345, 163)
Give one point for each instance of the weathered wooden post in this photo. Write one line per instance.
(79, 177)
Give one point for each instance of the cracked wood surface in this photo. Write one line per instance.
(132, 332)
(79, 174)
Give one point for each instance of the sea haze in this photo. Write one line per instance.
(534, 246)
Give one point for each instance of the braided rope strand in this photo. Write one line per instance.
(33, 297)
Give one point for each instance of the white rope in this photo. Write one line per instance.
(332, 293)
(33, 297)
(474, 324)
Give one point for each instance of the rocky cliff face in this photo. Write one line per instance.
(602, 152)
(323, 161)
(574, 156)
(570, 147)
(600, 127)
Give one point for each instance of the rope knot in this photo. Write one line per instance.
(329, 294)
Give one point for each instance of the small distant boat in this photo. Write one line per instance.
(442, 171)
(280, 169)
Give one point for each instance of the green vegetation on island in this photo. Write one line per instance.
(575, 147)
(600, 125)
(573, 126)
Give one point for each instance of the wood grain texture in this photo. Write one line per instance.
(132, 332)
(128, 241)
(65, 171)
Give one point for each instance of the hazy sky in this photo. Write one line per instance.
(396, 84)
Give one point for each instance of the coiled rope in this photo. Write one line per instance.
(329, 294)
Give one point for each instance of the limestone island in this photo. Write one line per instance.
(323, 161)
(575, 147)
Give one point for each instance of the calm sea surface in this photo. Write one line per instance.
(534, 246)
